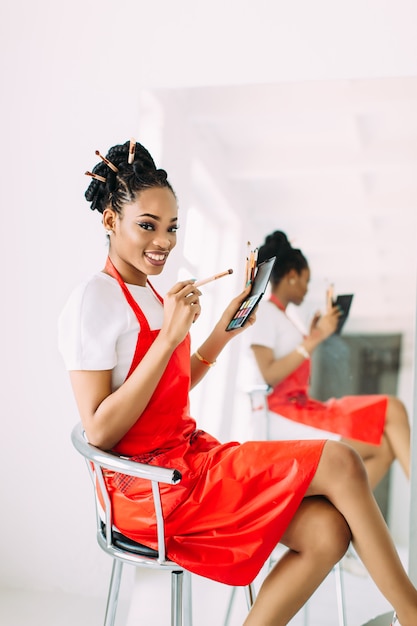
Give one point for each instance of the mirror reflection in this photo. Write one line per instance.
(332, 164)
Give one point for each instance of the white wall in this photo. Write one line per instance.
(71, 76)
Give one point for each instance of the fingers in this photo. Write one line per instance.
(183, 288)
(330, 297)
(317, 316)
(185, 294)
(191, 300)
(242, 296)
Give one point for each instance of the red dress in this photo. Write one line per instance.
(234, 501)
(353, 417)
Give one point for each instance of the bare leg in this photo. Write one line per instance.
(317, 538)
(377, 459)
(342, 478)
(395, 444)
(397, 431)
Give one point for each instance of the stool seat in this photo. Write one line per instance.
(124, 543)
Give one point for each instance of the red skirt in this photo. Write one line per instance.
(231, 508)
(354, 417)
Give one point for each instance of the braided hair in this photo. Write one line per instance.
(288, 258)
(122, 186)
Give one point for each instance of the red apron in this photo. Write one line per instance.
(353, 417)
(234, 501)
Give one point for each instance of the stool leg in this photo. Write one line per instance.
(188, 600)
(340, 594)
(250, 595)
(305, 615)
(229, 607)
(176, 598)
(113, 595)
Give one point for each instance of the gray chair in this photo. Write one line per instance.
(124, 550)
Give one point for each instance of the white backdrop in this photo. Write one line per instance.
(71, 77)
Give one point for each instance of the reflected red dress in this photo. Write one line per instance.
(234, 501)
(353, 417)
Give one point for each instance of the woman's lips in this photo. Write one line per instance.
(156, 258)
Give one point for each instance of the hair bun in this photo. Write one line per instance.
(275, 244)
(288, 258)
(117, 183)
(280, 241)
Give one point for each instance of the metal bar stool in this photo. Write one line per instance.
(121, 548)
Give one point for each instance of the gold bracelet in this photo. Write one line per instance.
(303, 351)
(203, 360)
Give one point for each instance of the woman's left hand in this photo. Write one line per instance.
(231, 310)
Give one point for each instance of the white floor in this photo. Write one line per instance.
(210, 601)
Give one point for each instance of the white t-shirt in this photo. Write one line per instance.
(97, 329)
(273, 329)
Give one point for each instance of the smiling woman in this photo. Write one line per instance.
(143, 250)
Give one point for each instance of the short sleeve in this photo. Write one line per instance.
(273, 329)
(89, 326)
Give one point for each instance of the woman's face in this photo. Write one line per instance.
(298, 285)
(144, 235)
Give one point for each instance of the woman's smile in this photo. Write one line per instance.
(156, 258)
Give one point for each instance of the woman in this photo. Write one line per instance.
(376, 426)
(128, 353)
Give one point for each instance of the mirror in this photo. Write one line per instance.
(332, 164)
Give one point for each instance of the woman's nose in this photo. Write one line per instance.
(162, 242)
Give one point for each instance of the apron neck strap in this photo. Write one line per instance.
(277, 302)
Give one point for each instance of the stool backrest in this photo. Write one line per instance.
(98, 461)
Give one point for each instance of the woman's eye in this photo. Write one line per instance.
(173, 229)
(146, 225)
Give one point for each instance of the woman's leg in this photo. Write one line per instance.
(395, 444)
(342, 478)
(317, 538)
(377, 459)
(397, 431)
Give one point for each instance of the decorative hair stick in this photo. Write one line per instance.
(96, 176)
(204, 281)
(132, 147)
(107, 162)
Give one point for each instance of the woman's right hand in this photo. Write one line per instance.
(323, 326)
(181, 308)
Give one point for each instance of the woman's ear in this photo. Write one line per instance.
(292, 277)
(109, 219)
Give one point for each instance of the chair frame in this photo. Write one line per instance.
(124, 550)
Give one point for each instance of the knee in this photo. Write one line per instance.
(333, 535)
(396, 409)
(326, 534)
(344, 462)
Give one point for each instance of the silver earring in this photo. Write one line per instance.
(108, 231)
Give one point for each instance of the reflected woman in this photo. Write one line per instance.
(376, 426)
